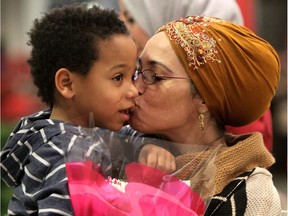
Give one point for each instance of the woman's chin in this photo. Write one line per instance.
(135, 124)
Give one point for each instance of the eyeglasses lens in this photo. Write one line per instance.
(149, 76)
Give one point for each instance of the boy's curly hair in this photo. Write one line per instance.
(68, 37)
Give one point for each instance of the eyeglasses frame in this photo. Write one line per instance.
(156, 75)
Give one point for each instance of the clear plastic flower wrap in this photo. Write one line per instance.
(104, 177)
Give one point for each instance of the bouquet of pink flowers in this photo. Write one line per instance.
(140, 190)
(147, 192)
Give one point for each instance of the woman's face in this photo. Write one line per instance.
(166, 106)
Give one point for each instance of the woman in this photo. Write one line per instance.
(144, 17)
(199, 74)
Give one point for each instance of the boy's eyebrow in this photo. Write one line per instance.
(153, 63)
(118, 66)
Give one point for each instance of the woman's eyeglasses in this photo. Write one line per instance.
(150, 77)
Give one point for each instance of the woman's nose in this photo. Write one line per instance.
(140, 85)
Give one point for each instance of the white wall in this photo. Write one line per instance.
(16, 20)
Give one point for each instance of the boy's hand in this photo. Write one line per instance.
(157, 157)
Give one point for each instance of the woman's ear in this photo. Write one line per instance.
(63, 83)
(200, 104)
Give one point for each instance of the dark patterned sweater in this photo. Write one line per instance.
(33, 161)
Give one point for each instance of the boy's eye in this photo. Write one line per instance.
(118, 77)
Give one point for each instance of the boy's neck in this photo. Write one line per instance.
(70, 116)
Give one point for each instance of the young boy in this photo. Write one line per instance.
(82, 63)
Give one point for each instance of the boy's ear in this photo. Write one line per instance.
(63, 83)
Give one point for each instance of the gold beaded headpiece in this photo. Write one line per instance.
(199, 47)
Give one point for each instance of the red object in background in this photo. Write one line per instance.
(18, 94)
(17, 105)
(263, 125)
(248, 11)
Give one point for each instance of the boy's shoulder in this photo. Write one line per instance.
(36, 138)
(37, 129)
(35, 123)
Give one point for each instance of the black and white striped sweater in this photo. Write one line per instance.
(33, 162)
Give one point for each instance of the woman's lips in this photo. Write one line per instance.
(133, 109)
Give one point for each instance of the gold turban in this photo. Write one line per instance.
(235, 71)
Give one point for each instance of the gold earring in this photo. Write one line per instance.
(201, 121)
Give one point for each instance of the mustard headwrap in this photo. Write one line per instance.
(235, 71)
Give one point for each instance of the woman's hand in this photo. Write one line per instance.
(157, 157)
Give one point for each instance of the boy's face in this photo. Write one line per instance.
(108, 91)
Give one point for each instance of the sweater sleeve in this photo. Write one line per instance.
(54, 197)
(135, 140)
(262, 196)
(44, 188)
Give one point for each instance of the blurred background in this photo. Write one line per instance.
(266, 18)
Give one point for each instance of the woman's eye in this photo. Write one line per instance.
(158, 78)
(130, 20)
(118, 77)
